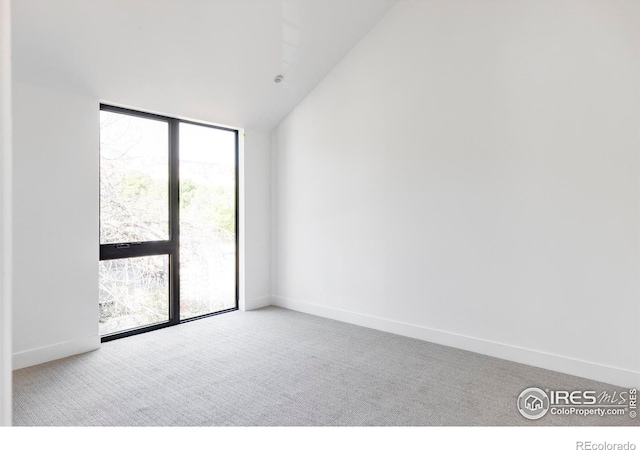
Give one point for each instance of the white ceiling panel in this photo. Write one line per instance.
(219, 57)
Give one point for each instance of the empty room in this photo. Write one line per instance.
(320, 213)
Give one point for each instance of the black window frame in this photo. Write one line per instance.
(170, 247)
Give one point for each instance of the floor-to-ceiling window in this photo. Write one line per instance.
(168, 221)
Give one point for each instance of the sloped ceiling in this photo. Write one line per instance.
(217, 58)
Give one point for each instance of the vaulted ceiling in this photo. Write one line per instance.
(219, 57)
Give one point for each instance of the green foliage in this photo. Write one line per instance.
(212, 208)
(188, 190)
(141, 187)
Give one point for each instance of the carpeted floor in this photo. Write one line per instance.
(278, 367)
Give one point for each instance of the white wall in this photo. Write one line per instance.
(469, 175)
(257, 211)
(56, 224)
(5, 213)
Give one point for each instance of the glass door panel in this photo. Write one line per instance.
(207, 220)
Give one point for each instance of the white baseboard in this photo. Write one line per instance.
(593, 371)
(257, 303)
(55, 351)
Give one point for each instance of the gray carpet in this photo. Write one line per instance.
(278, 367)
